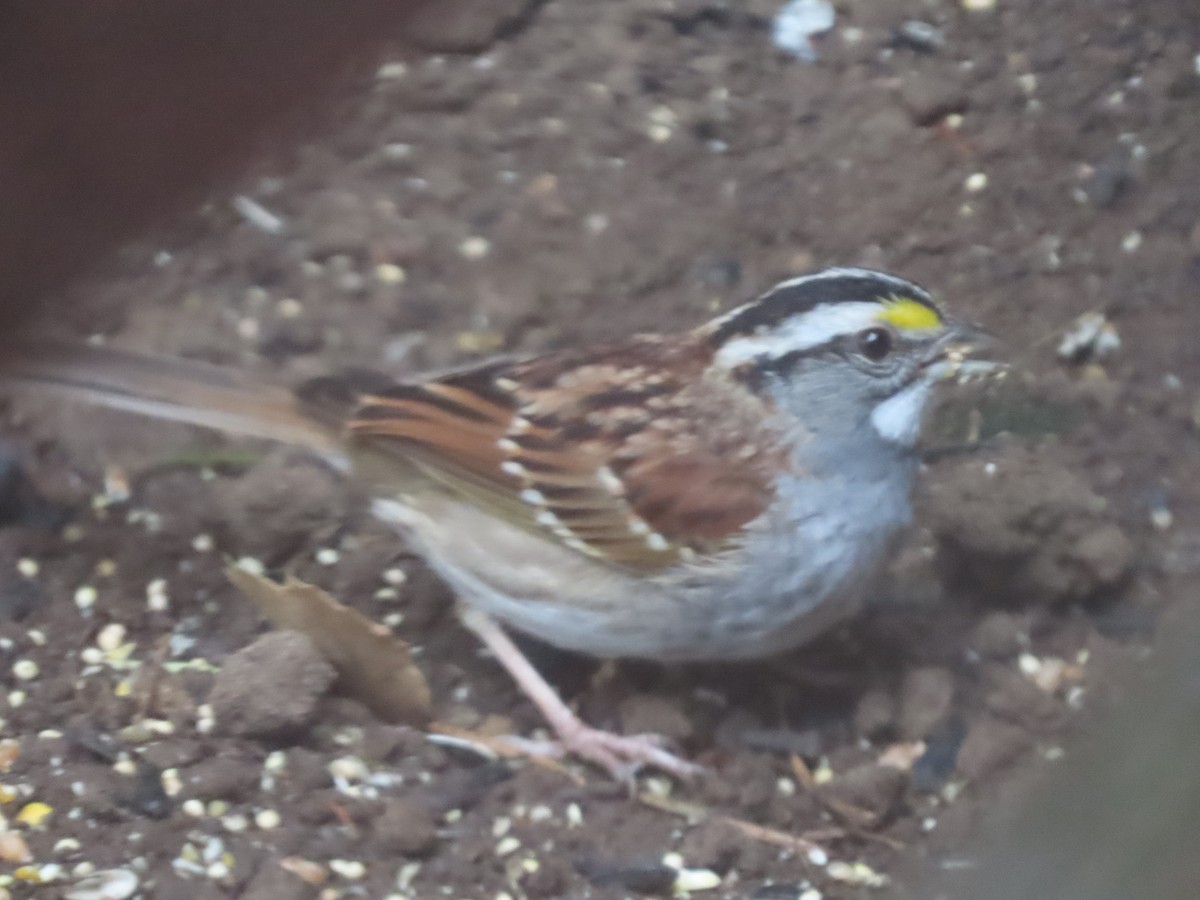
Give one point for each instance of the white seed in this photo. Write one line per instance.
(276, 761)
(85, 597)
(251, 565)
(28, 567)
(475, 247)
(693, 880)
(267, 819)
(975, 183)
(508, 845)
(156, 595)
(389, 273)
(327, 556)
(350, 869)
(193, 808)
(111, 637)
(25, 669)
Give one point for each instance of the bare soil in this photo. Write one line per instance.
(591, 170)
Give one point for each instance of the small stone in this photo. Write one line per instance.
(926, 700)
(1000, 635)
(650, 714)
(870, 794)
(875, 715)
(991, 745)
(930, 99)
(404, 828)
(271, 688)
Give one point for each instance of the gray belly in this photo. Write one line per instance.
(806, 564)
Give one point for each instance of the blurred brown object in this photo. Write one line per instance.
(119, 113)
(1116, 818)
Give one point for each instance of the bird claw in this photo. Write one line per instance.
(622, 756)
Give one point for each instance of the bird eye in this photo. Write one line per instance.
(875, 343)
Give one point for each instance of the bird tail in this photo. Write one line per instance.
(164, 388)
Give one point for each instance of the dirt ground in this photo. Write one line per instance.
(591, 170)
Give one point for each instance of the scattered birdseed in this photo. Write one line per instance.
(276, 761)
(25, 669)
(975, 183)
(16, 698)
(157, 599)
(395, 576)
(979, 5)
(507, 846)
(817, 857)
(66, 846)
(390, 273)
(106, 568)
(125, 766)
(34, 814)
(574, 815)
(28, 567)
(475, 247)
(350, 869)
(855, 873)
(327, 556)
(111, 637)
(390, 71)
(85, 597)
(267, 819)
(109, 884)
(1131, 242)
(251, 565)
(14, 849)
(258, 215)
(193, 808)
(689, 881)
(810, 894)
(235, 823)
(37, 637)
(172, 784)
(304, 869)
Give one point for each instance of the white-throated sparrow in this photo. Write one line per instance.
(723, 493)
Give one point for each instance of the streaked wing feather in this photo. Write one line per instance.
(554, 454)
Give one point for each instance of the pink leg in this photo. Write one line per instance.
(621, 755)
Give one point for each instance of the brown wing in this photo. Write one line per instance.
(620, 453)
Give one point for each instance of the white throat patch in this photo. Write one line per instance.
(898, 418)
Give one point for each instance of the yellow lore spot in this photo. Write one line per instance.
(908, 314)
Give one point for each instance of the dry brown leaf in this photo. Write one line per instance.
(373, 665)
